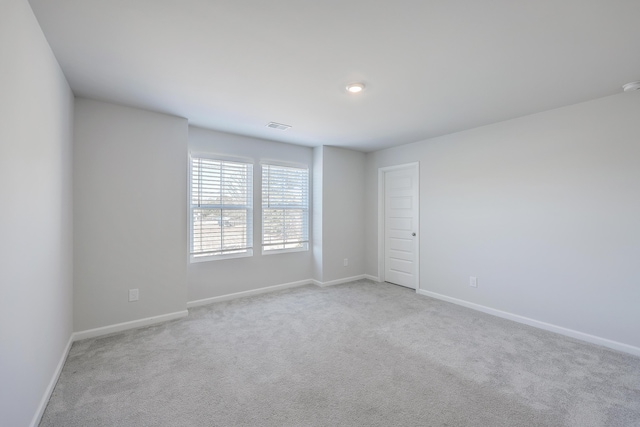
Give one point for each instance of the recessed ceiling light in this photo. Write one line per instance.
(630, 87)
(355, 87)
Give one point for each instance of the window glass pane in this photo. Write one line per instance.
(206, 235)
(285, 207)
(234, 183)
(221, 199)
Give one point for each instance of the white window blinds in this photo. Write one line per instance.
(221, 207)
(285, 208)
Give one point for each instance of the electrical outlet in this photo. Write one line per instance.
(473, 282)
(346, 262)
(134, 295)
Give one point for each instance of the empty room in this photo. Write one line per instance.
(319, 213)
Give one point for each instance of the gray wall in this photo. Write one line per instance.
(318, 194)
(36, 121)
(130, 196)
(221, 277)
(342, 213)
(543, 209)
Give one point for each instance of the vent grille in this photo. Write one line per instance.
(279, 126)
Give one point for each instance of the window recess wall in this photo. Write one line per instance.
(242, 274)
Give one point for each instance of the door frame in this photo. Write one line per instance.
(381, 217)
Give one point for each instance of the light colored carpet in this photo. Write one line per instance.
(358, 354)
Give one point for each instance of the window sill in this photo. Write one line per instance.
(284, 251)
(194, 259)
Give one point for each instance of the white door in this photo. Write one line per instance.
(401, 212)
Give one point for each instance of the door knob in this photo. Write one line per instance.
(413, 234)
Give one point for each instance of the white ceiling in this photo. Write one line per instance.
(431, 67)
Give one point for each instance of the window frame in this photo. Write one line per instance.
(248, 251)
(306, 244)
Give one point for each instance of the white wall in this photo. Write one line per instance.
(130, 195)
(543, 209)
(36, 115)
(342, 213)
(221, 277)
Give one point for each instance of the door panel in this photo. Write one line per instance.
(400, 225)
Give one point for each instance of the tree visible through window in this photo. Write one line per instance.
(285, 208)
(221, 207)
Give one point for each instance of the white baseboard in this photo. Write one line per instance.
(207, 301)
(626, 348)
(52, 384)
(339, 281)
(118, 327)
(374, 278)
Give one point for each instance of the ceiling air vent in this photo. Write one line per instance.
(279, 126)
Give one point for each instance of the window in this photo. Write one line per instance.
(221, 208)
(285, 208)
